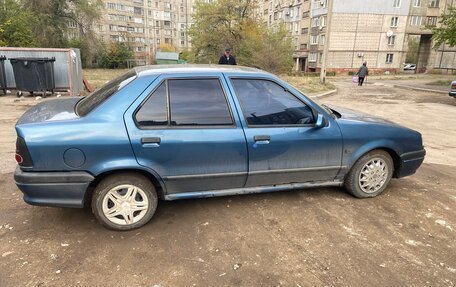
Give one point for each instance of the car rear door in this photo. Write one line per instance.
(186, 131)
(284, 145)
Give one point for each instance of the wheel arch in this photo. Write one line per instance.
(391, 151)
(154, 178)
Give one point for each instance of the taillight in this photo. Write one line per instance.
(22, 154)
(19, 159)
(453, 86)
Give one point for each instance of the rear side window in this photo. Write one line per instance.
(89, 103)
(195, 102)
(265, 103)
(154, 111)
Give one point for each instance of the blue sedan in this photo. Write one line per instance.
(177, 132)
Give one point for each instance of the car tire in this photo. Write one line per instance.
(370, 175)
(124, 201)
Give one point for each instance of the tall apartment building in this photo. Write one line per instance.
(376, 31)
(295, 14)
(146, 24)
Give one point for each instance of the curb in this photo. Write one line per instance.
(420, 89)
(325, 94)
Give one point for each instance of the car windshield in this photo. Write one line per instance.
(89, 103)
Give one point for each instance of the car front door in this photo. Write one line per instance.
(184, 129)
(284, 145)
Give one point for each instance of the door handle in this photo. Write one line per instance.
(151, 142)
(262, 139)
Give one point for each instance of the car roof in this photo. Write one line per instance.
(195, 68)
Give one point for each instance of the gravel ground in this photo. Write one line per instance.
(316, 237)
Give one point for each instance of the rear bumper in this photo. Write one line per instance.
(59, 189)
(410, 162)
(452, 94)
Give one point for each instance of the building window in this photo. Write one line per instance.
(417, 3)
(313, 40)
(432, 21)
(296, 27)
(434, 3)
(303, 46)
(415, 21)
(394, 21)
(305, 14)
(315, 22)
(392, 40)
(304, 31)
(397, 3)
(72, 24)
(320, 59)
(322, 40)
(323, 21)
(313, 57)
(389, 58)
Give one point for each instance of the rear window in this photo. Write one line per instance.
(89, 103)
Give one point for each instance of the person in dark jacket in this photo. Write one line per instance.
(227, 58)
(362, 73)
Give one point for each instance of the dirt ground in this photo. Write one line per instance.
(317, 237)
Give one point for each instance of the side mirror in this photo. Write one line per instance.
(320, 123)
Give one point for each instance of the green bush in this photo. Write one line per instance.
(116, 56)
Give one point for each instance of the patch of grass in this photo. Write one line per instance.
(308, 85)
(98, 77)
(439, 83)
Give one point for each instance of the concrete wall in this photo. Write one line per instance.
(362, 37)
(371, 7)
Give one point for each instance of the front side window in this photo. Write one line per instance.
(195, 102)
(265, 103)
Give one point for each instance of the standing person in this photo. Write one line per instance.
(362, 73)
(227, 58)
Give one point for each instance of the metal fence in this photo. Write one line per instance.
(67, 66)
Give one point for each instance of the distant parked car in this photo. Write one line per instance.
(409, 67)
(199, 131)
(452, 91)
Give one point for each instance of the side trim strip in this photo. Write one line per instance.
(230, 174)
(250, 190)
(295, 170)
(414, 155)
(205, 175)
